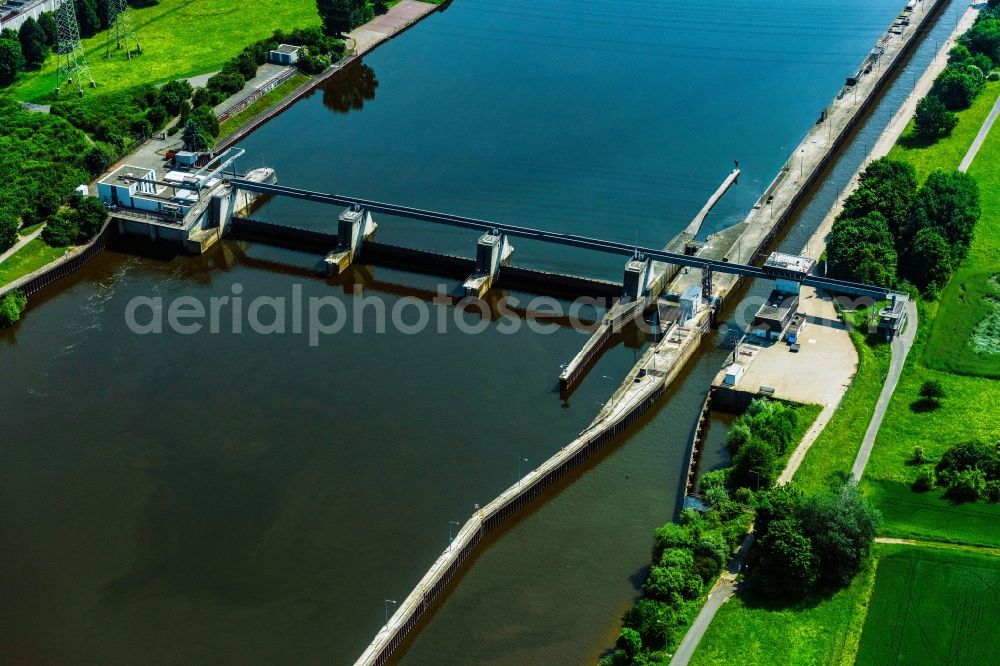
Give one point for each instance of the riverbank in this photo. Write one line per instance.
(840, 619)
(361, 40)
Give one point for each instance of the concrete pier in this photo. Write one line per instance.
(354, 227)
(492, 251)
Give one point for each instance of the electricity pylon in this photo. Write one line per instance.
(120, 27)
(72, 63)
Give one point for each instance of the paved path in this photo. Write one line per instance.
(900, 348)
(21, 243)
(724, 588)
(984, 550)
(983, 131)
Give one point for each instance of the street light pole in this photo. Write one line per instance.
(802, 159)
(519, 459)
(387, 602)
(450, 537)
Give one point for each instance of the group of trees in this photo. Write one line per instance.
(42, 159)
(686, 557)
(968, 471)
(757, 440)
(76, 222)
(890, 230)
(808, 543)
(970, 62)
(27, 47)
(804, 543)
(341, 16)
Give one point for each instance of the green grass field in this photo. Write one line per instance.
(934, 607)
(29, 258)
(179, 38)
(820, 631)
(931, 516)
(941, 350)
(964, 303)
(946, 153)
(267, 101)
(837, 446)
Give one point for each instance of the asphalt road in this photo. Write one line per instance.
(900, 348)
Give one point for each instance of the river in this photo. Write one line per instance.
(235, 497)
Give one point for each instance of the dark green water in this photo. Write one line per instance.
(246, 498)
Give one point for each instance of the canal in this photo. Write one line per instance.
(234, 497)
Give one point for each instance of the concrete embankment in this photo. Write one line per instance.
(72, 261)
(808, 162)
(659, 366)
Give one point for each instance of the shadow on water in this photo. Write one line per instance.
(351, 88)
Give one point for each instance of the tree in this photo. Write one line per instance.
(968, 485)
(195, 138)
(755, 465)
(47, 22)
(783, 564)
(888, 187)
(949, 203)
(32, 39)
(380, 7)
(933, 119)
(340, 16)
(12, 305)
(9, 225)
(929, 261)
(983, 37)
(932, 391)
(629, 642)
(919, 456)
(958, 85)
(11, 60)
(206, 120)
(863, 250)
(842, 526)
(86, 16)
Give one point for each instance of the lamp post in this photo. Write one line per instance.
(802, 159)
(387, 602)
(520, 459)
(450, 536)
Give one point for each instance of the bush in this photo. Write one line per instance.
(919, 457)
(925, 480)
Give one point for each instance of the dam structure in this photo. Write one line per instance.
(686, 283)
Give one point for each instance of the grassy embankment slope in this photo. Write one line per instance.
(944, 341)
(829, 630)
(179, 39)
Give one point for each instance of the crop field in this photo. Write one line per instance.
(934, 607)
(179, 39)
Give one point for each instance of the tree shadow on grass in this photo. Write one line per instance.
(924, 405)
(753, 598)
(911, 141)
